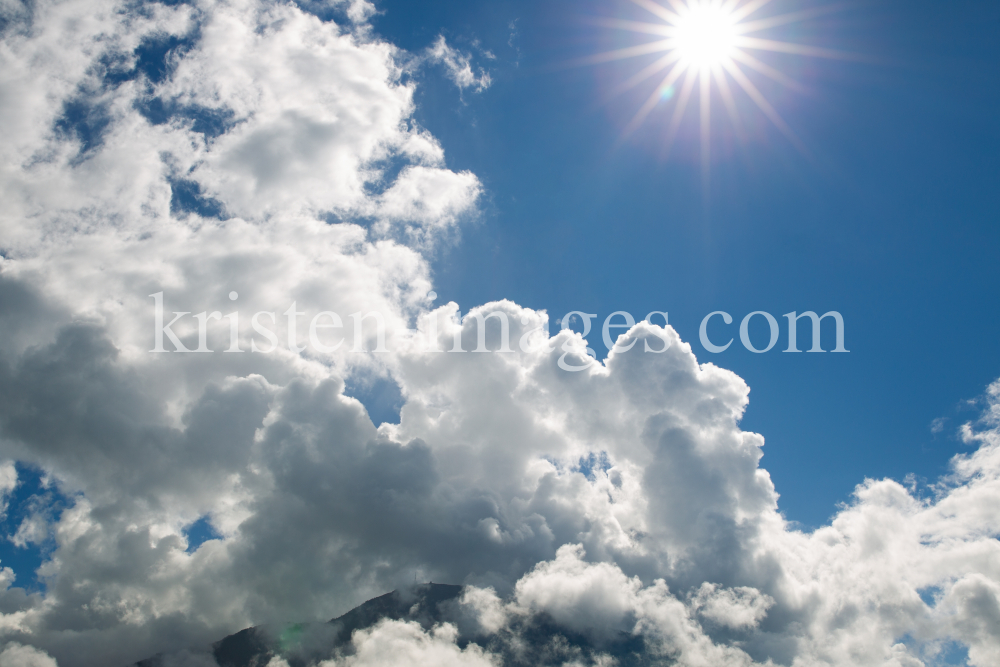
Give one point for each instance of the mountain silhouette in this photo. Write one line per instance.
(529, 641)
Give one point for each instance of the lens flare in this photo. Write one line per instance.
(708, 44)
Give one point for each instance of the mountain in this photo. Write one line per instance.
(532, 641)
(302, 644)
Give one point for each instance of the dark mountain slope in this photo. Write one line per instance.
(528, 641)
(304, 643)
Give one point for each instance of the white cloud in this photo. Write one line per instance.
(487, 609)
(358, 11)
(579, 595)
(405, 644)
(16, 655)
(502, 451)
(677, 540)
(315, 115)
(8, 482)
(34, 529)
(317, 110)
(736, 608)
(458, 65)
(424, 201)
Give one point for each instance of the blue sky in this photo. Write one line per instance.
(349, 157)
(891, 221)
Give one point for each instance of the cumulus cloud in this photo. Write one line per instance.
(487, 611)
(258, 109)
(406, 644)
(579, 595)
(737, 608)
(273, 155)
(16, 655)
(424, 201)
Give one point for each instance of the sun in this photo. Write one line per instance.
(705, 35)
(709, 44)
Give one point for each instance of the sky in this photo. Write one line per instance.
(890, 220)
(433, 163)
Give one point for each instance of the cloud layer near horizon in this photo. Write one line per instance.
(246, 146)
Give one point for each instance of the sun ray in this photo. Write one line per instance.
(746, 10)
(785, 19)
(705, 109)
(768, 71)
(658, 10)
(627, 52)
(647, 72)
(638, 26)
(765, 106)
(654, 99)
(709, 42)
(758, 44)
(727, 99)
(680, 6)
(682, 102)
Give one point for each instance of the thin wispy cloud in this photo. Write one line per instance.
(458, 65)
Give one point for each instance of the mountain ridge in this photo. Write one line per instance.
(297, 642)
(528, 640)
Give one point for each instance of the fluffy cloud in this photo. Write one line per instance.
(579, 595)
(15, 655)
(313, 109)
(408, 645)
(357, 10)
(244, 146)
(733, 608)
(253, 109)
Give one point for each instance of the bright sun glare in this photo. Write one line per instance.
(708, 44)
(705, 34)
